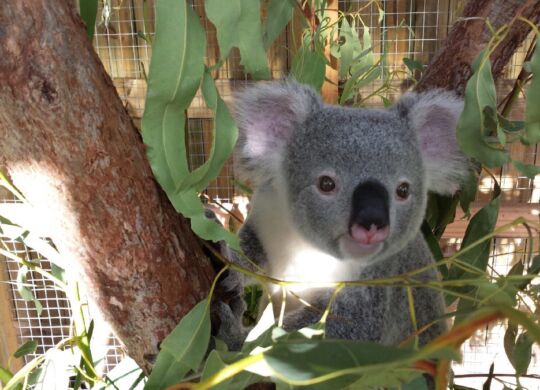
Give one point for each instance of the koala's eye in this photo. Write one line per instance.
(402, 190)
(326, 184)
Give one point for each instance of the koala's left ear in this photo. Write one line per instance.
(434, 116)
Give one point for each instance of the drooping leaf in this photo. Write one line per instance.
(532, 114)
(224, 135)
(25, 292)
(353, 53)
(238, 24)
(28, 347)
(529, 170)
(413, 65)
(175, 73)
(308, 66)
(509, 340)
(88, 9)
(278, 15)
(481, 224)
(487, 383)
(183, 349)
(467, 193)
(472, 125)
(521, 358)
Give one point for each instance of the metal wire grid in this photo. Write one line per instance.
(54, 323)
(486, 346)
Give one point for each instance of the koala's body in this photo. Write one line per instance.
(340, 194)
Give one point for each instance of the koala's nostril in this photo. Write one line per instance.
(373, 235)
(370, 206)
(373, 214)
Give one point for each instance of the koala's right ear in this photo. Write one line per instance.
(266, 115)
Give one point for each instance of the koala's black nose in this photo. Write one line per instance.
(370, 206)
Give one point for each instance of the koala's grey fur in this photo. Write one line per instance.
(288, 139)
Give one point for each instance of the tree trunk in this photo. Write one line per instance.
(450, 68)
(71, 148)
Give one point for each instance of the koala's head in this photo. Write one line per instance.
(355, 180)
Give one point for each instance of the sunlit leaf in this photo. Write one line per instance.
(183, 349)
(25, 292)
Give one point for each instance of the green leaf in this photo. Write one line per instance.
(529, 170)
(239, 24)
(182, 350)
(175, 73)
(5, 376)
(278, 15)
(413, 65)
(308, 66)
(522, 354)
(353, 54)
(304, 361)
(509, 340)
(224, 135)
(25, 292)
(88, 14)
(532, 113)
(212, 366)
(28, 347)
(419, 383)
(481, 224)
(472, 125)
(467, 194)
(487, 383)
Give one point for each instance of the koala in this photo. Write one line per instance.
(339, 195)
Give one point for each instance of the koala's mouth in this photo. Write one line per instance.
(351, 248)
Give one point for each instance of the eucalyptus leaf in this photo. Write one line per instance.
(213, 365)
(5, 375)
(278, 15)
(303, 361)
(308, 66)
(522, 354)
(224, 135)
(480, 98)
(88, 9)
(238, 24)
(25, 292)
(413, 65)
(509, 340)
(529, 170)
(175, 74)
(28, 347)
(532, 113)
(182, 350)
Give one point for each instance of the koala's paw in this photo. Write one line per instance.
(231, 330)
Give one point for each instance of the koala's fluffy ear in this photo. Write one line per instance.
(434, 116)
(266, 115)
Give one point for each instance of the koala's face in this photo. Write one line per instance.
(355, 181)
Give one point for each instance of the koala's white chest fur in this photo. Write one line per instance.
(290, 256)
